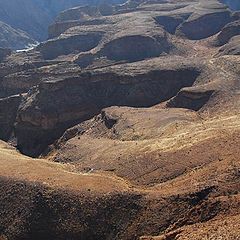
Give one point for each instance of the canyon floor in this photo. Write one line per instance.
(124, 125)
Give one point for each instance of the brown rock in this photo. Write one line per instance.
(207, 20)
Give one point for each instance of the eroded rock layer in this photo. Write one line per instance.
(132, 114)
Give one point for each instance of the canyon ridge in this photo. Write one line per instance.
(120, 120)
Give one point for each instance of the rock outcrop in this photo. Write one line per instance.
(22, 80)
(112, 38)
(207, 20)
(69, 44)
(51, 108)
(13, 72)
(8, 113)
(191, 98)
(171, 22)
(230, 30)
(231, 48)
(137, 125)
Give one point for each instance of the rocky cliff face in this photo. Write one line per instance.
(134, 110)
(8, 111)
(83, 55)
(48, 110)
(206, 20)
(230, 30)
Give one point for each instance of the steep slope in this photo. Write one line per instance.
(47, 110)
(14, 39)
(206, 20)
(231, 48)
(133, 117)
(134, 144)
(229, 31)
(59, 202)
(97, 89)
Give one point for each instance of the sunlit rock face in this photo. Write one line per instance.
(134, 112)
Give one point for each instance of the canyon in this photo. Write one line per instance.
(25, 24)
(123, 123)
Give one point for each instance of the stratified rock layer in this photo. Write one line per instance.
(48, 110)
(134, 110)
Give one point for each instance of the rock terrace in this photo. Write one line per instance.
(124, 124)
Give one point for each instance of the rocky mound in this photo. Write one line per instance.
(231, 48)
(108, 38)
(230, 30)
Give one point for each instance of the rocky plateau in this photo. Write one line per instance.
(124, 124)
